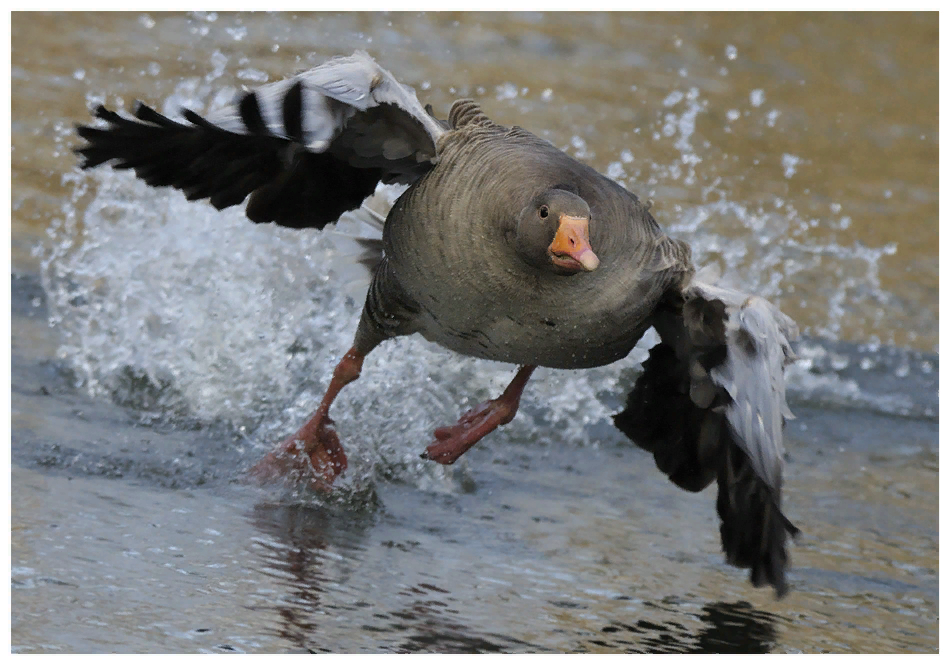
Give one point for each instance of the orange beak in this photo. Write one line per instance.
(571, 246)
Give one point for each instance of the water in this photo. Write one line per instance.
(160, 347)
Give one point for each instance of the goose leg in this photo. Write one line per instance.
(451, 442)
(314, 452)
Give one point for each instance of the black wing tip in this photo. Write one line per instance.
(693, 445)
(92, 153)
(86, 160)
(770, 570)
(91, 133)
(755, 531)
(117, 142)
(103, 113)
(112, 117)
(761, 577)
(196, 119)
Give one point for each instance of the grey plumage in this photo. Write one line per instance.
(350, 106)
(523, 315)
(457, 265)
(710, 405)
(306, 149)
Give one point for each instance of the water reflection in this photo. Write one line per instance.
(431, 631)
(314, 554)
(293, 555)
(735, 627)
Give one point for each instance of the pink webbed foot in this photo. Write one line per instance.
(452, 441)
(312, 455)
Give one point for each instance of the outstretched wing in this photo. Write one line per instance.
(710, 405)
(306, 149)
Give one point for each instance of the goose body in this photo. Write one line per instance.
(502, 247)
(522, 315)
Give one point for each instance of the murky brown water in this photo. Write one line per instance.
(799, 151)
(852, 98)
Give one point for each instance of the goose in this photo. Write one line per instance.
(502, 247)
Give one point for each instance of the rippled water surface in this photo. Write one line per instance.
(160, 347)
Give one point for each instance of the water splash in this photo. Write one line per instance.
(768, 247)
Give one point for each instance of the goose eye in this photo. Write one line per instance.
(543, 212)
